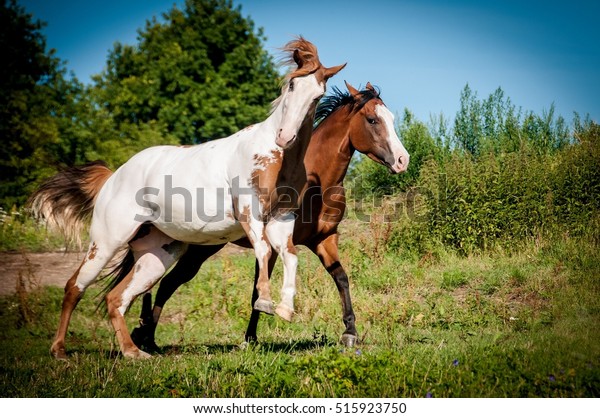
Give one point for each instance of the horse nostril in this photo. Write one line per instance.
(403, 162)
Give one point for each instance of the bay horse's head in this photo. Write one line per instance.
(371, 128)
(302, 88)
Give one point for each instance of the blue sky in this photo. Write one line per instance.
(420, 53)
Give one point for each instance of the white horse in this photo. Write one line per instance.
(166, 197)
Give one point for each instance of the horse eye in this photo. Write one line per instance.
(291, 87)
(371, 121)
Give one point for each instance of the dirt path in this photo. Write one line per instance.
(35, 269)
(51, 268)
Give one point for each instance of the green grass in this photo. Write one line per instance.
(498, 324)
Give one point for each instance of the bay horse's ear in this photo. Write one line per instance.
(370, 87)
(351, 89)
(331, 71)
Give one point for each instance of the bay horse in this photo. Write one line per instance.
(347, 122)
(147, 206)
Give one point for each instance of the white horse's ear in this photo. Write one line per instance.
(331, 71)
(351, 89)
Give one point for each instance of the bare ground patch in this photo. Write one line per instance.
(35, 269)
(52, 268)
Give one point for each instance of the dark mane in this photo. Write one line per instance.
(337, 99)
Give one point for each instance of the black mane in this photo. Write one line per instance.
(337, 99)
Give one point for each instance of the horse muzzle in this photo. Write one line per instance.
(400, 165)
(285, 140)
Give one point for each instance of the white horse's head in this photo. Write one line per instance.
(302, 90)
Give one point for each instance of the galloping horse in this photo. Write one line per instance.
(357, 120)
(233, 185)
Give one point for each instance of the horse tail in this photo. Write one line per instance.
(66, 200)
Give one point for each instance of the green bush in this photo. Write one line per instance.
(576, 181)
(500, 200)
(19, 232)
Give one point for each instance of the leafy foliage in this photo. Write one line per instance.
(504, 199)
(495, 125)
(32, 100)
(197, 74)
(496, 179)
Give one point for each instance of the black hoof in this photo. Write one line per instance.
(144, 341)
(138, 336)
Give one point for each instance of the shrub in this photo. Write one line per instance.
(500, 200)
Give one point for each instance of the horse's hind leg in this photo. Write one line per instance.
(96, 258)
(184, 271)
(327, 250)
(155, 253)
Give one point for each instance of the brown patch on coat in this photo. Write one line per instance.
(264, 179)
(244, 215)
(92, 252)
(291, 248)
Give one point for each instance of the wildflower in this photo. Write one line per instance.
(429, 395)
(552, 378)
(455, 362)
(358, 352)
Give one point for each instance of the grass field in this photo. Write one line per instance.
(519, 323)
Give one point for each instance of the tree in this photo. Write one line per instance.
(31, 80)
(467, 124)
(494, 125)
(200, 74)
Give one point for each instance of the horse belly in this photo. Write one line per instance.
(203, 233)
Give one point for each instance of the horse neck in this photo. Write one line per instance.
(293, 170)
(330, 151)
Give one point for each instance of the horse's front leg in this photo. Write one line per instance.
(280, 231)
(255, 315)
(255, 230)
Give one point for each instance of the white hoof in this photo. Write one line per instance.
(285, 312)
